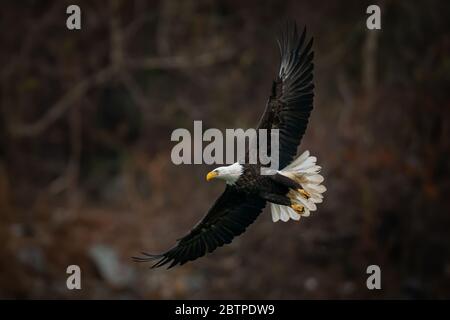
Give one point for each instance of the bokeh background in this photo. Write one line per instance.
(85, 170)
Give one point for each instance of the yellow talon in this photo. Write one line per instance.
(304, 193)
(298, 208)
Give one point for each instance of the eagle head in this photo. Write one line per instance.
(229, 173)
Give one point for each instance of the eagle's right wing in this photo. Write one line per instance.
(230, 215)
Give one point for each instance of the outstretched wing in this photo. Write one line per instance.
(230, 215)
(291, 100)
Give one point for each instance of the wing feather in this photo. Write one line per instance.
(229, 217)
(291, 101)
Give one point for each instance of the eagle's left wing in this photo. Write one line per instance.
(291, 99)
(230, 215)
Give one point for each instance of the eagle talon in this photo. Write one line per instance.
(298, 208)
(304, 193)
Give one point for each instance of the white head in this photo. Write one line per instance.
(229, 173)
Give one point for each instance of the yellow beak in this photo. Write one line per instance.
(211, 175)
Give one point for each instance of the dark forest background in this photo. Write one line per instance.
(85, 170)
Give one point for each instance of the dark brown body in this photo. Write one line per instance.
(273, 188)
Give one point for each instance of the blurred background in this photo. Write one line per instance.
(85, 170)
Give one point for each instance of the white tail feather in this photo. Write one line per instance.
(304, 171)
(275, 209)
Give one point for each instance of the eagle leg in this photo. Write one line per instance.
(298, 208)
(304, 193)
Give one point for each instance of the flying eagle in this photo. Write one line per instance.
(292, 191)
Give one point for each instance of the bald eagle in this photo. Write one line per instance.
(292, 192)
